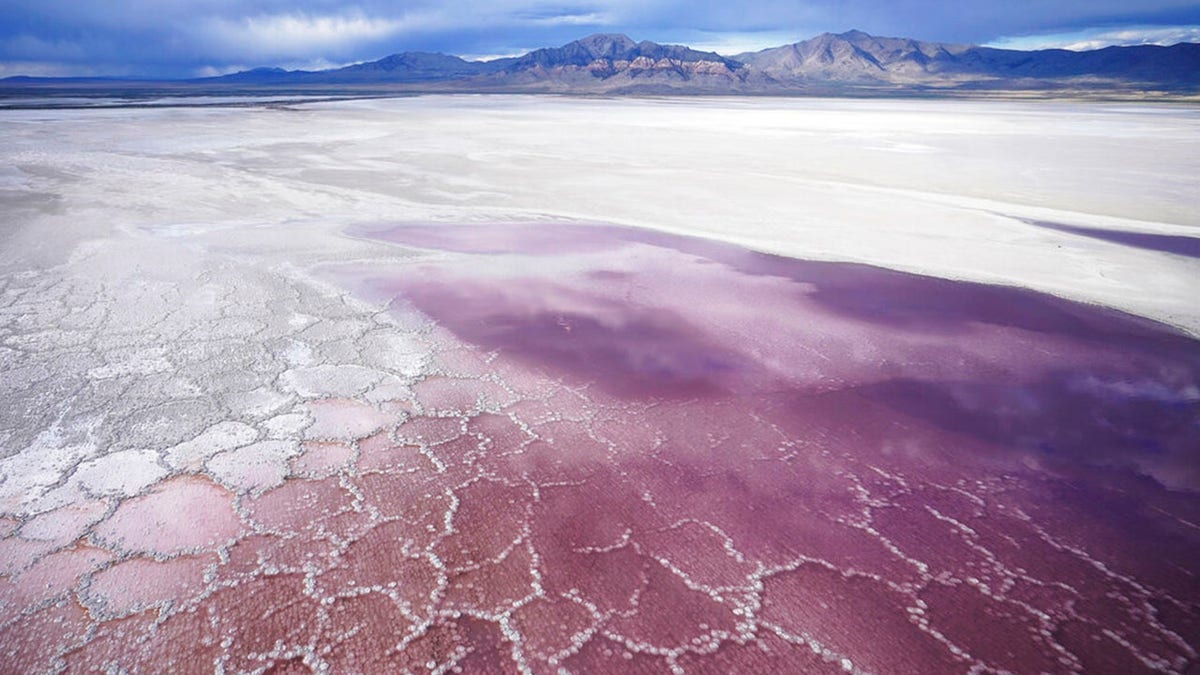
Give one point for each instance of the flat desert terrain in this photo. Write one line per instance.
(543, 384)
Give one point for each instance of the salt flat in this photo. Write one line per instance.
(199, 315)
(940, 187)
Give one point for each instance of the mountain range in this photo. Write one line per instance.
(851, 62)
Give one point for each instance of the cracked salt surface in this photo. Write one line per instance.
(549, 448)
(254, 467)
(551, 494)
(120, 474)
(220, 437)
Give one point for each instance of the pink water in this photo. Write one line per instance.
(645, 453)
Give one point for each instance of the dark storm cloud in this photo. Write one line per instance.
(184, 37)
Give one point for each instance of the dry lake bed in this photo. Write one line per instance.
(540, 384)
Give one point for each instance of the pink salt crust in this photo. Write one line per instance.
(643, 453)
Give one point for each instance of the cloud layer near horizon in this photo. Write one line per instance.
(190, 37)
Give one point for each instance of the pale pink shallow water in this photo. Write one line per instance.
(645, 453)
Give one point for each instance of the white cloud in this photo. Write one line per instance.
(1097, 38)
(731, 43)
(217, 71)
(470, 56)
(299, 35)
(589, 19)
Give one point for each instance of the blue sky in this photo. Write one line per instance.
(174, 38)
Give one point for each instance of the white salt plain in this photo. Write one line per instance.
(938, 187)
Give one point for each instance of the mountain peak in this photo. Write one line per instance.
(411, 60)
(607, 44)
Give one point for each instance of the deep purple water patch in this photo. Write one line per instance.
(1176, 244)
(624, 306)
(908, 473)
(626, 349)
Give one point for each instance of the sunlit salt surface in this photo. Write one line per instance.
(253, 419)
(630, 451)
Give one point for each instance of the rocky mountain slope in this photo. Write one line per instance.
(612, 62)
(856, 57)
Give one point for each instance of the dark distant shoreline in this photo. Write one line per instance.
(155, 99)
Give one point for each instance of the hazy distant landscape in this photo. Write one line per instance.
(847, 63)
